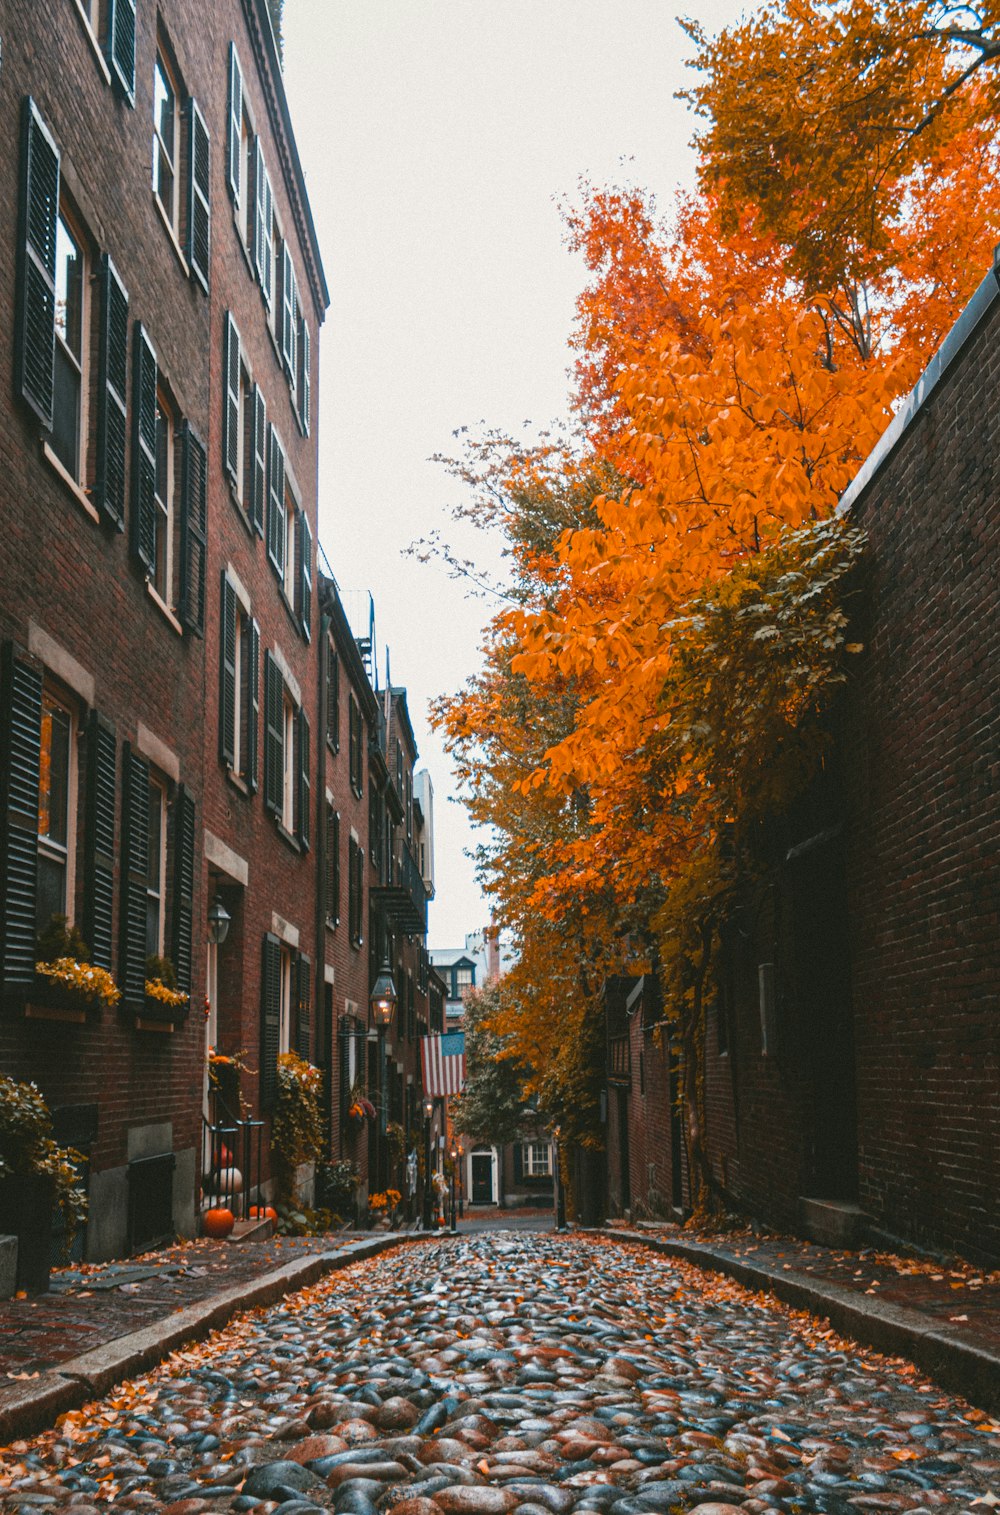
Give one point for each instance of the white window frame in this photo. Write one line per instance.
(57, 851)
(285, 1001)
(79, 362)
(239, 700)
(536, 1159)
(158, 889)
(290, 526)
(171, 211)
(165, 509)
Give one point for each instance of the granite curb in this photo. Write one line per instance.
(32, 1405)
(949, 1357)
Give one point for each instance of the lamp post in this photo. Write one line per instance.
(461, 1181)
(383, 1004)
(560, 1196)
(454, 1165)
(428, 1186)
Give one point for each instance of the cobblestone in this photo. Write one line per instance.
(518, 1374)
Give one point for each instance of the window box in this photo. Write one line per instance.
(69, 991)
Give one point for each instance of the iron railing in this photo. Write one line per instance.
(231, 1164)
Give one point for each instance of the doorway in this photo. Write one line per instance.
(482, 1188)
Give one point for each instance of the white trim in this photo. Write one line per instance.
(288, 933)
(62, 663)
(238, 587)
(329, 974)
(226, 860)
(150, 745)
(291, 682)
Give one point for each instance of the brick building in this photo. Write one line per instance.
(853, 1051)
(160, 300)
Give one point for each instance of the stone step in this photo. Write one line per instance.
(252, 1230)
(833, 1222)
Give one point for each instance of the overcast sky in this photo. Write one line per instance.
(436, 137)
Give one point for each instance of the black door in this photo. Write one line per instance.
(482, 1178)
(825, 1020)
(623, 1152)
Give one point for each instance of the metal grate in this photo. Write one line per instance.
(151, 1201)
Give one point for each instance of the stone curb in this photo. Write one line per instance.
(947, 1356)
(33, 1404)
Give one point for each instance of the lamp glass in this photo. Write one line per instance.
(218, 922)
(383, 998)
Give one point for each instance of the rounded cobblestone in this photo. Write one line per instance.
(518, 1375)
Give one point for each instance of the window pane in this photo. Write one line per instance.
(163, 109)
(154, 872)
(161, 513)
(53, 787)
(69, 288)
(51, 897)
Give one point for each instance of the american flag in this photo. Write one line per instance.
(443, 1062)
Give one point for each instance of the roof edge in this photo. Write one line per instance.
(975, 312)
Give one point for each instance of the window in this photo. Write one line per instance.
(287, 786)
(239, 703)
(161, 577)
(166, 141)
(69, 385)
(181, 184)
(465, 979)
(356, 754)
(156, 872)
(536, 1159)
(289, 579)
(56, 811)
(263, 228)
(285, 1011)
(355, 891)
(276, 503)
(112, 25)
(333, 698)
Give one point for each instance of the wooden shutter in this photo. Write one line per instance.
(258, 483)
(194, 532)
(112, 397)
(303, 1006)
(305, 375)
(182, 915)
(20, 762)
(276, 502)
(199, 219)
(120, 46)
(227, 674)
(36, 308)
(352, 894)
(135, 870)
(264, 229)
(274, 736)
(305, 788)
(234, 160)
(270, 1020)
(252, 655)
(289, 305)
(99, 847)
(231, 439)
(305, 576)
(359, 890)
(143, 534)
(333, 699)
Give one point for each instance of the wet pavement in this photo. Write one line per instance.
(512, 1373)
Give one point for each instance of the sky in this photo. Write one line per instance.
(438, 138)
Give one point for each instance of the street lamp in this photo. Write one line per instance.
(383, 1005)
(218, 922)
(428, 1187)
(454, 1165)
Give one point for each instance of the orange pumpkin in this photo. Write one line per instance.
(217, 1223)
(263, 1212)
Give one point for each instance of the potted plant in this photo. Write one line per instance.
(296, 1126)
(36, 1174)
(163, 998)
(67, 978)
(359, 1108)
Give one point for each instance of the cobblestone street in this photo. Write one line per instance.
(517, 1372)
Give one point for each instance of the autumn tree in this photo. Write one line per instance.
(492, 1106)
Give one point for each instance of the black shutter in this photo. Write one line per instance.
(305, 376)
(252, 655)
(36, 309)
(274, 736)
(289, 301)
(99, 850)
(227, 674)
(235, 155)
(199, 218)
(144, 450)
(352, 903)
(135, 871)
(359, 889)
(332, 865)
(183, 901)
(303, 1017)
(333, 700)
(20, 762)
(270, 1021)
(112, 397)
(276, 502)
(258, 464)
(231, 439)
(305, 576)
(120, 46)
(263, 229)
(305, 788)
(194, 532)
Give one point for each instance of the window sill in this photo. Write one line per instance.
(241, 239)
(240, 509)
(105, 72)
(332, 922)
(164, 609)
(74, 488)
(238, 782)
(171, 234)
(288, 838)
